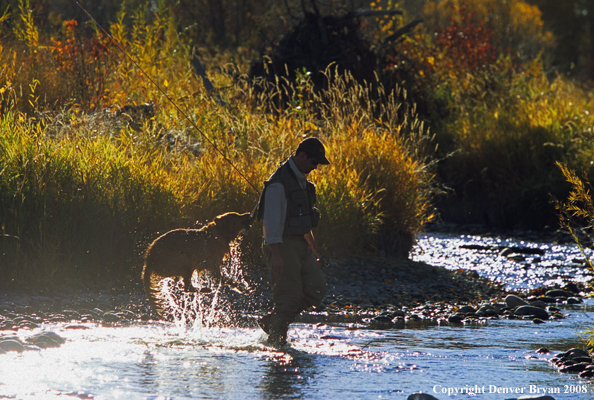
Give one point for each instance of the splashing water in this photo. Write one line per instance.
(206, 307)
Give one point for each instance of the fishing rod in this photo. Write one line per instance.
(253, 213)
(185, 115)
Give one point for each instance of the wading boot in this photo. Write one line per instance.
(278, 332)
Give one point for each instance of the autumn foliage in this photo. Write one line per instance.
(468, 45)
(83, 61)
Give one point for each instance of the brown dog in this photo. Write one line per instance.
(182, 251)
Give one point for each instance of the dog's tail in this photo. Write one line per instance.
(152, 290)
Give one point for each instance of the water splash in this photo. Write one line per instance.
(208, 306)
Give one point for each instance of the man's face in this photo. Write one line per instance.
(305, 163)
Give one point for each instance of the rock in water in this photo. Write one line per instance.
(46, 339)
(513, 301)
(421, 396)
(532, 311)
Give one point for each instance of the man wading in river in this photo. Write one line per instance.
(288, 213)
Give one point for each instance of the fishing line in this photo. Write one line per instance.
(170, 100)
(253, 213)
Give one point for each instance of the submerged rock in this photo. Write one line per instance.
(110, 318)
(574, 353)
(575, 360)
(46, 339)
(579, 367)
(11, 345)
(559, 293)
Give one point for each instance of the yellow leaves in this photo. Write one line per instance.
(24, 28)
(578, 205)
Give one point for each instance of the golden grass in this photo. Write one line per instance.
(85, 189)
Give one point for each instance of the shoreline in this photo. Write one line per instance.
(368, 291)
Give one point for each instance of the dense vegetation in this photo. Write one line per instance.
(95, 161)
(87, 182)
(501, 119)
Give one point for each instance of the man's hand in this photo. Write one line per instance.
(276, 261)
(314, 247)
(311, 241)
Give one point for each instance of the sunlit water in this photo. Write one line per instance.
(559, 263)
(495, 360)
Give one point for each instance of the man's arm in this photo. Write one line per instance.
(275, 209)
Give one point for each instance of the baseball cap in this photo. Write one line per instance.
(315, 149)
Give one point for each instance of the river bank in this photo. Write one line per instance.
(361, 290)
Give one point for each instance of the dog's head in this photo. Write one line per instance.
(231, 224)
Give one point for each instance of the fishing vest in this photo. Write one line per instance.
(301, 215)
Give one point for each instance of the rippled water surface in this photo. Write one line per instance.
(555, 263)
(160, 361)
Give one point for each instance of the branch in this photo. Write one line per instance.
(207, 84)
(403, 31)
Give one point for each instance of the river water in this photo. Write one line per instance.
(492, 360)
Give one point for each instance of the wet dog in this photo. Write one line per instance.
(180, 252)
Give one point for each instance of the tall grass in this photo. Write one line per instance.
(379, 181)
(576, 215)
(85, 188)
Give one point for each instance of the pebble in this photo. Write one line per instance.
(46, 339)
(559, 293)
(11, 345)
(378, 291)
(575, 360)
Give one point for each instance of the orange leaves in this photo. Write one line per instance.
(70, 25)
(81, 59)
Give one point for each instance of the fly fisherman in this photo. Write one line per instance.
(288, 213)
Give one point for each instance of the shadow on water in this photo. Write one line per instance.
(288, 375)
